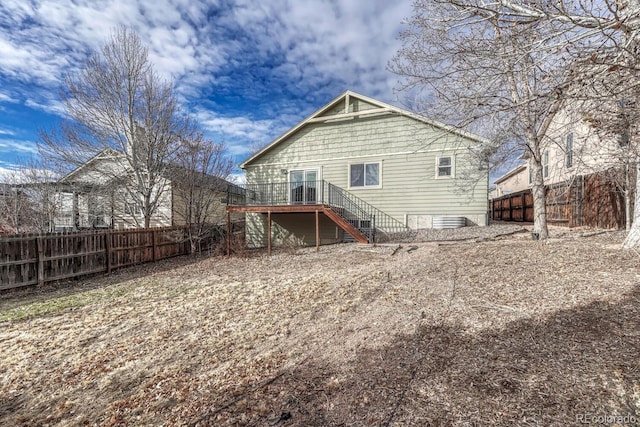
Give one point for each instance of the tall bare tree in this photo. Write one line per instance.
(489, 69)
(29, 199)
(200, 176)
(119, 108)
(513, 66)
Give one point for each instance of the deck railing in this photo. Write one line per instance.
(362, 215)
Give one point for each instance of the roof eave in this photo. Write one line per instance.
(384, 106)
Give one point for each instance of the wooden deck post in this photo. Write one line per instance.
(269, 233)
(317, 231)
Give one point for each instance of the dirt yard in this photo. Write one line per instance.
(486, 331)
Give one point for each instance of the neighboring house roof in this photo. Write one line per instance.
(328, 113)
(104, 154)
(510, 173)
(212, 181)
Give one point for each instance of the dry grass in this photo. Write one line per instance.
(505, 332)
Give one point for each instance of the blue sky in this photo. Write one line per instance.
(248, 70)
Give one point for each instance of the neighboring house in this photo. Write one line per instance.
(361, 168)
(583, 173)
(517, 179)
(92, 196)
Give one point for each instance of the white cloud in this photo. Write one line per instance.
(7, 98)
(241, 135)
(238, 178)
(236, 126)
(51, 106)
(14, 145)
(281, 58)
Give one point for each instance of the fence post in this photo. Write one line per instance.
(40, 249)
(107, 249)
(154, 244)
(510, 209)
(228, 233)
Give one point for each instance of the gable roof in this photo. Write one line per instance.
(510, 173)
(104, 154)
(171, 171)
(351, 105)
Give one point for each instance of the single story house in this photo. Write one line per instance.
(363, 169)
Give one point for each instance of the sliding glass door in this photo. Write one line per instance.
(304, 186)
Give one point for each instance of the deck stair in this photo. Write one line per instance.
(362, 222)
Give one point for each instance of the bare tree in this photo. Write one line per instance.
(121, 111)
(493, 70)
(199, 175)
(514, 66)
(606, 62)
(15, 208)
(29, 199)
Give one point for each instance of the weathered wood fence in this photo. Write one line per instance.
(513, 207)
(590, 200)
(29, 259)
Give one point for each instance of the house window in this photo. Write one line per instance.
(545, 164)
(364, 175)
(444, 167)
(132, 208)
(569, 150)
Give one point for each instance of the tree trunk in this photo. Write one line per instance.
(539, 200)
(627, 197)
(633, 238)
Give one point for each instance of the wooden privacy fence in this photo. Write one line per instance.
(30, 259)
(590, 200)
(513, 207)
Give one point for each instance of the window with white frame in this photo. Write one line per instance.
(364, 174)
(132, 208)
(444, 167)
(545, 164)
(569, 150)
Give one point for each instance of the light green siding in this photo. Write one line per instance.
(291, 230)
(407, 150)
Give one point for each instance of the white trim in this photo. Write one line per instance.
(364, 156)
(452, 166)
(510, 174)
(318, 172)
(382, 107)
(348, 116)
(364, 187)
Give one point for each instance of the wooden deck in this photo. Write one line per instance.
(293, 208)
(327, 210)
